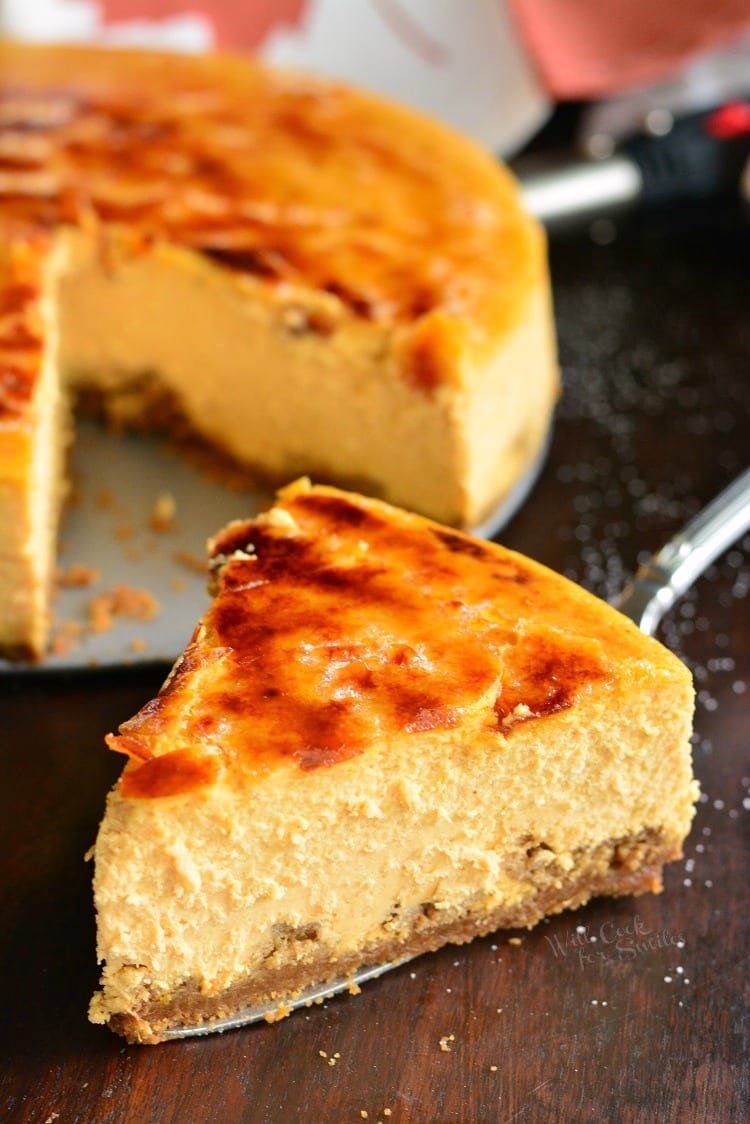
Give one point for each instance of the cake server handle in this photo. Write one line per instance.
(666, 575)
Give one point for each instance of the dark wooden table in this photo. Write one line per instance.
(629, 1010)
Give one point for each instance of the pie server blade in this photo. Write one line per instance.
(656, 586)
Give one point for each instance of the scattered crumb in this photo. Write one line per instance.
(514, 940)
(105, 499)
(66, 638)
(281, 1012)
(52, 1116)
(162, 517)
(76, 576)
(387, 1112)
(445, 1042)
(363, 1113)
(322, 1054)
(191, 561)
(138, 644)
(121, 601)
(519, 714)
(493, 1069)
(353, 988)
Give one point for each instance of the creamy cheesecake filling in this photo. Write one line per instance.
(289, 384)
(52, 431)
(192, 889)
(508, 418)
(631, 865)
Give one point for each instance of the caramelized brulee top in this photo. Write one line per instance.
(278, 175)
(21, 326)
(339, 621)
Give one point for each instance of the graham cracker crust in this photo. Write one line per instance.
(629, 865)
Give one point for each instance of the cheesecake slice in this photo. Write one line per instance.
(385, 735)
(308, 278)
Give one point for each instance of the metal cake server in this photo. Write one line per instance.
(669, 573)
(658, 583)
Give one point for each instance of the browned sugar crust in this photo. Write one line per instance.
(629, 865)
(216, 153)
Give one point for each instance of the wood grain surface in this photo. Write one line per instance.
(630, 1010)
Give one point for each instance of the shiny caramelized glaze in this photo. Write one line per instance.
(281, 176)
(340, 621)
(21, 329)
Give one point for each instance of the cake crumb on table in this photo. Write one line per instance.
(121, 601)
(281, 1012)
(162, 517)
(66, 638)
(445, 1042)
(76, 576)
(191, 561)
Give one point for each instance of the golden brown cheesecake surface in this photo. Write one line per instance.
(384, 735)
(311, 279)
(247, 165)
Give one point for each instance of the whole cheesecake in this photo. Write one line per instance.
(385, 735)
(307, 277)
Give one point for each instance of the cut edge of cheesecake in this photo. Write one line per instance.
(502, 760)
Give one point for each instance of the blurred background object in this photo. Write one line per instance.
(465, 64)
(493, 68)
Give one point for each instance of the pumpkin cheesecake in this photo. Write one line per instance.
(385, 735)
(309, 278)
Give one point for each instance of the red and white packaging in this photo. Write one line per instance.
(492, 68)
